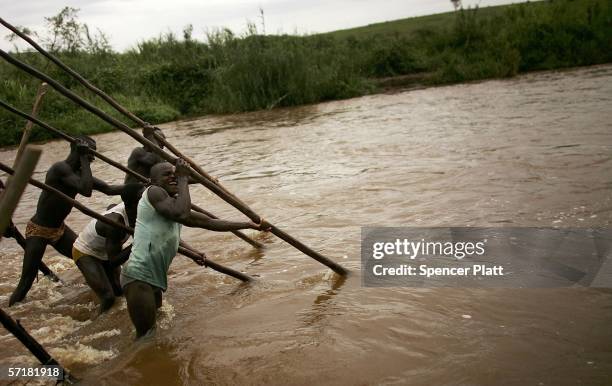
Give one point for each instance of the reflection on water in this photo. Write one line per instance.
(532, 151)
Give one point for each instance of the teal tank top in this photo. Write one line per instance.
(156, 242)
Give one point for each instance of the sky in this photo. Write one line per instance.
(127, 22)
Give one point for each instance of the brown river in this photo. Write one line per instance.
(532, 151)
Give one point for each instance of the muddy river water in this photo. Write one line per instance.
(532, 151)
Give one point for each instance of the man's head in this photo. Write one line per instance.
(91, 143)
(162, 175)
(150, 132)
(131, 195)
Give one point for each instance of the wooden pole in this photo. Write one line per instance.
(116, 164)
(69, 70)
(40, 93)
(229, 198)
(15, 328)
(191, 163)
(85, 210)
(25, 137)
(216, 266)
(97, 91)
(15, 186)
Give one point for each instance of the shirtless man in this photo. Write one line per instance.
(98, 251)
(164, 206)
(12, 232)
(71, 176)
(143, 158)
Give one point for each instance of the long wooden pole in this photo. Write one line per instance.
(191, 162)
(100, 93)
(25, 137)
(16, 184)
(227, 196)
(15, 328)
(116, 164)
(230, 199)
(85, 210)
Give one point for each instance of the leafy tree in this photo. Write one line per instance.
(68, 34)
(65, 31)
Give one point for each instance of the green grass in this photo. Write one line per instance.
(413, 26)
(168, 78)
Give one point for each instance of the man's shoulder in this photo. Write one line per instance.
(108, 230)
(59, 169)
(155, 193)
(60, 165)
(137, 154)
(137, 151)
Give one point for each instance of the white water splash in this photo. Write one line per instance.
(166, 314)
(101, 334)
(80, 353)
(56, 328)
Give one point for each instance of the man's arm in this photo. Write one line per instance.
(198, 220)
(82, 183)
(122, 256)
(110, 231)
(109, 190)
(113, 248)
(200, 260)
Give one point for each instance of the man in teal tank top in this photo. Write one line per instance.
(163, 208)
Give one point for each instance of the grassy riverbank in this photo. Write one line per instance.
(169, 78)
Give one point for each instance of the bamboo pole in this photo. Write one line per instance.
(15, 328)
(229, 198)
(25, 137)
(116, 164)
(85, 210)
